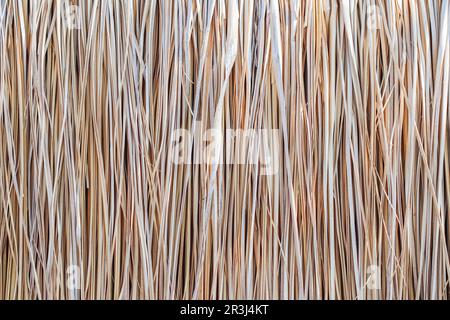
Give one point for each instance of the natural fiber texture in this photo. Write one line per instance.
(359, 91)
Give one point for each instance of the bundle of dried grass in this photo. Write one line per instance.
(92, 205)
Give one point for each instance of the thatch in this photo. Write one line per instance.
(358, 207)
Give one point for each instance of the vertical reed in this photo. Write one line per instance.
(358, 209)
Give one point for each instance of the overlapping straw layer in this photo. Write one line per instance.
(92, 206)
